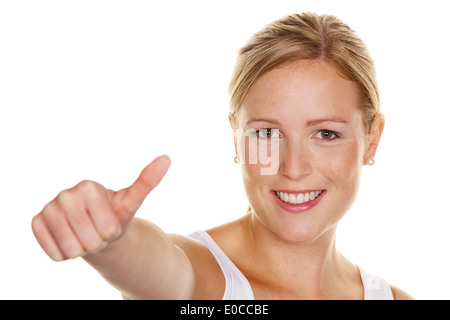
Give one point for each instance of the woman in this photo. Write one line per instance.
(304, 88)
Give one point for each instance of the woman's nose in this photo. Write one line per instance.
(295, 162)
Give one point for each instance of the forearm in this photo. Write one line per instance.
(145, 264)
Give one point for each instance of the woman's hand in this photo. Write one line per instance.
(87, 217)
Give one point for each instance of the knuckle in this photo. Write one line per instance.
(50, 212)
(92, 242)
(121, 208)
(88, 186)
(65, 198)
(96, 246)
(85, 183)
(73, 251)
(114, 230)
(111, 230)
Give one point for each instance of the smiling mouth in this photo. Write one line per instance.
(298, 198)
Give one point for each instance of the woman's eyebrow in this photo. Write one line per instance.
(310, 123)
(275, 122)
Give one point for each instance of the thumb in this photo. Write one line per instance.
(127, 201)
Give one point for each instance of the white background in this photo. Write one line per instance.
(97, 89)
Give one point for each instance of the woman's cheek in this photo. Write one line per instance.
(343, 171)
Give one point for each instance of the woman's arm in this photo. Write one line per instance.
(145, 264)
(98, 224)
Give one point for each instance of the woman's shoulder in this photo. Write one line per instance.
(399, 294)
(229, 236)
(229, 229)
(209, 280)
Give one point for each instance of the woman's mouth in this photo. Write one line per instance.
(298, 198)
(298, 201)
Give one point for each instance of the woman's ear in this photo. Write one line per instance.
(374, 136)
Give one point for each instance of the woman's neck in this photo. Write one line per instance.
(315, 269)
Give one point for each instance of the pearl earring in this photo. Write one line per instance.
(370, 161)
(236, 160)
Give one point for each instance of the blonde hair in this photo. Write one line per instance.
(307, 36)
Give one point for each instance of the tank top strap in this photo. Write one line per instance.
(375, 288)
(237, 286)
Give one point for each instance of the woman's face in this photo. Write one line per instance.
(310, 117)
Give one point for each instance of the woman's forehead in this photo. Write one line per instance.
(309, 89)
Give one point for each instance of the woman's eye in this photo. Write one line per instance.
(326, 135)
(267, 133)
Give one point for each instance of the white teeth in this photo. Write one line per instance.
(299, 198)
(292, 199)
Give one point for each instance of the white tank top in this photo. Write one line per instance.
(237, 286)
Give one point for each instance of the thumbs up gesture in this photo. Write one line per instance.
(87, 217)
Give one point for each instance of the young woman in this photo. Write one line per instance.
(304, 88)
